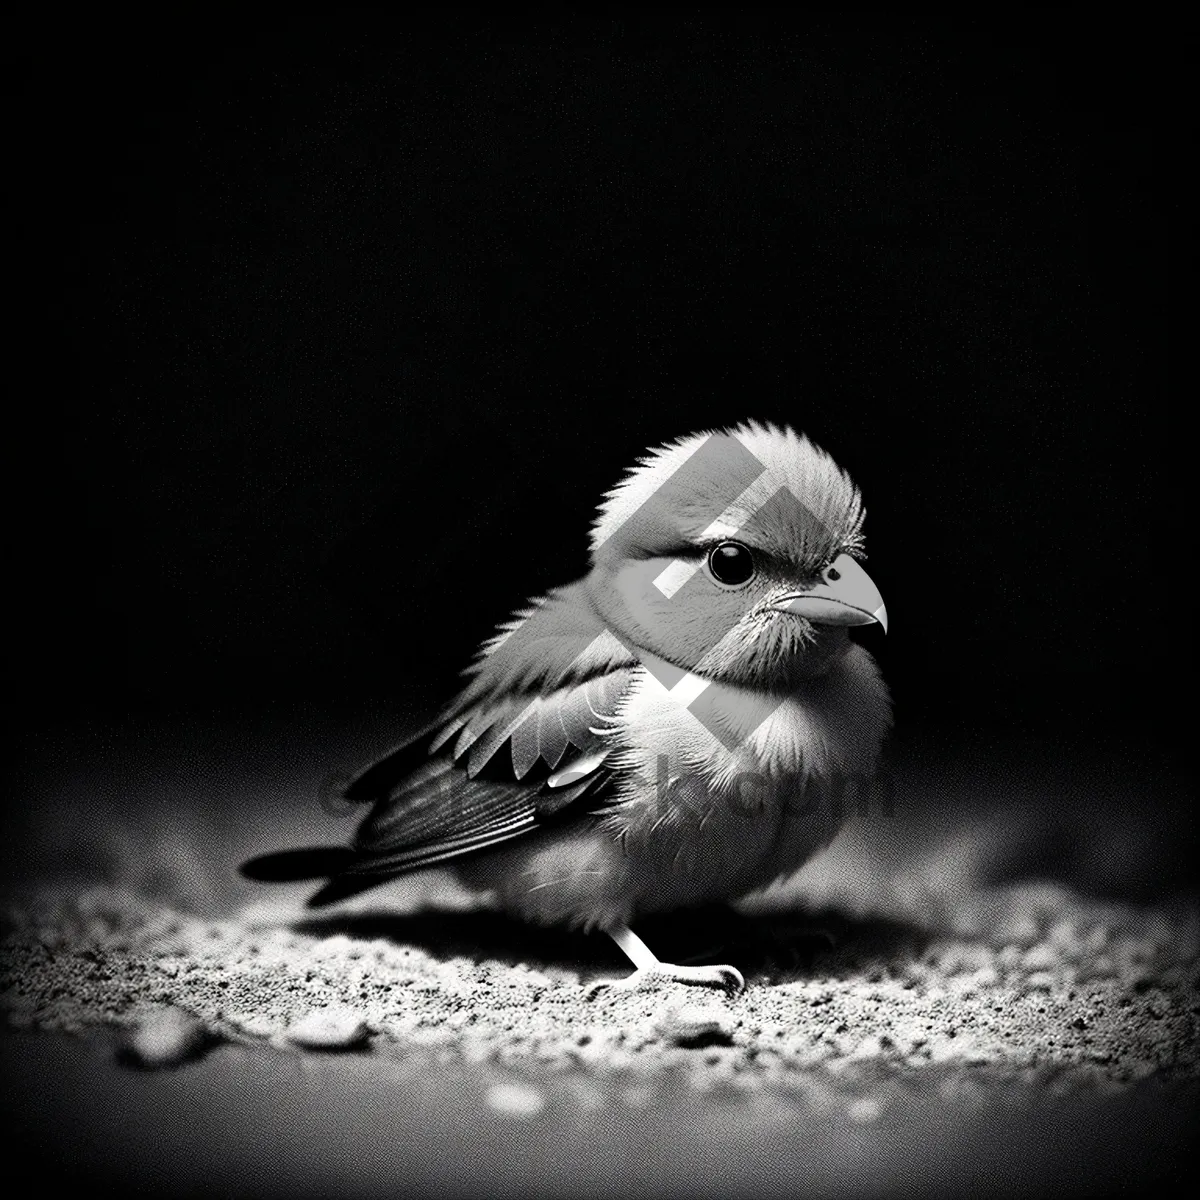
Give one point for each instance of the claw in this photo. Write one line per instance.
(728, 979)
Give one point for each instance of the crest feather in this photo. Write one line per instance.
(771, 463)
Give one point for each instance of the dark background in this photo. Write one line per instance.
(335, 331)
(328, 333)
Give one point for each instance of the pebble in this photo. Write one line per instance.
(865, 1111)
(871, 1046)
(695, 1025)
(1064, 936)
(166, 1038)
(1020, 929)
(1040, 958)
(328, 1029)
(255, 1024)
(515, 1100)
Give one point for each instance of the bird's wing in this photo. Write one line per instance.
(496, 771)
(557, 642)
(526, 738)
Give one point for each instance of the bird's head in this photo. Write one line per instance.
(735, 555)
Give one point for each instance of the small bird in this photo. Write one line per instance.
(650, 737)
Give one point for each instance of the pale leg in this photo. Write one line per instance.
(648, 970)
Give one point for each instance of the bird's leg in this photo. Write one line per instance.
(648, 970)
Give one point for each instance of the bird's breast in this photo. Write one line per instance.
(731, 787)
(719, 792)
(832, 726)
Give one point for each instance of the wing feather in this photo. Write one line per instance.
(553, 739)
(494, 729)
(525, 742)
(498, 781)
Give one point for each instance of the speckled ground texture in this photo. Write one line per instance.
(899, 970)
(1020, 980)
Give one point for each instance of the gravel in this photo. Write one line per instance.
(1030, 982)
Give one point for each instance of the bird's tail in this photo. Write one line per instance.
(313, 862)
(289, 866)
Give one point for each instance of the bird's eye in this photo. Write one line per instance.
(832, 574)
(730, 563)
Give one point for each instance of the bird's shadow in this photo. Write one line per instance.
(774, 947)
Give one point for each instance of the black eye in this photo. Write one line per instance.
(730, 563)
(832, 573)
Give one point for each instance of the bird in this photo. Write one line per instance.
(651, 737)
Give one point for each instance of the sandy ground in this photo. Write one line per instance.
(915, 977)
(1027, 981)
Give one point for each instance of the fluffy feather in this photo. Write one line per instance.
(594, 766)
(718, 483)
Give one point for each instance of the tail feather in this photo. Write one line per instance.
(288, 866)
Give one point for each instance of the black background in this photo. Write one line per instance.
(327, 334)
(335, 330)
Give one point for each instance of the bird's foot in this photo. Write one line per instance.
(727, 979)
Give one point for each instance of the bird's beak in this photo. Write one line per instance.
(846, 596)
